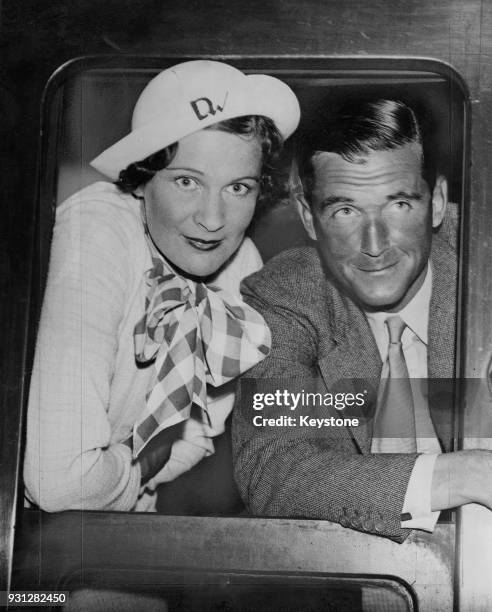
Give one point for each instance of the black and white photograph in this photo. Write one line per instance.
(246, 306)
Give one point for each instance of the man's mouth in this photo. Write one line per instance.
(374, 267)
(202, 245)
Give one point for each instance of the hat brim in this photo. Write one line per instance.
(260, 95)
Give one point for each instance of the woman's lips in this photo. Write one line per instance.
(202, 245)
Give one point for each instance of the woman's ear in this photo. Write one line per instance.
(439, 200)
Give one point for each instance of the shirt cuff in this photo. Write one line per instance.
(417, 511)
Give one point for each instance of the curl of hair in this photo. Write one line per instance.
(273, 178)
(141, 172)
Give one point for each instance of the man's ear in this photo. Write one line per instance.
(439, 200)
(306, 215)
(296, 189)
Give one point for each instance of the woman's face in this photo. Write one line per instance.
(199, 207)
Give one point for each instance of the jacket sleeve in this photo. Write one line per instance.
(296, 471)
(70, 462)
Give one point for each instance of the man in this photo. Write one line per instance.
(374, 300)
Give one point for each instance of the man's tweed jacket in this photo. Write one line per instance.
(316, 331)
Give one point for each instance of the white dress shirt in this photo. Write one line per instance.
(415, 314)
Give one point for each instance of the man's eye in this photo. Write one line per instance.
(186, 182)
(341, 213)
(238, 189)
(402, 205)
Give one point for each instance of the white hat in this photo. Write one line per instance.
(191, 96)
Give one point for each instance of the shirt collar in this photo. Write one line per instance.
(415, 314)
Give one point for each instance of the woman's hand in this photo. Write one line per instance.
(156, 453)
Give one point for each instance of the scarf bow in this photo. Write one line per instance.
(196, 335)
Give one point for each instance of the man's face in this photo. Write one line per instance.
(373, 220)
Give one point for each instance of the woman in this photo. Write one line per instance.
(131, 332)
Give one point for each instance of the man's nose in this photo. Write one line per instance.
(210, 212)
(375, 236)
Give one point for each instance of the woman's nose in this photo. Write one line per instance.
(210, 214)
(375, 236)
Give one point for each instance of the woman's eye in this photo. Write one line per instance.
(186, 182)
(238, 189)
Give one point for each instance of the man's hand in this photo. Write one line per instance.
(461, 478)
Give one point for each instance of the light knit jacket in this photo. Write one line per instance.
(86, 390)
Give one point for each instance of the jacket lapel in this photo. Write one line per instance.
(352, 363)
(442, 338)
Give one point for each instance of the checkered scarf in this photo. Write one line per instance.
(196, 335)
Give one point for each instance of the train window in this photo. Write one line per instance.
(87, 107)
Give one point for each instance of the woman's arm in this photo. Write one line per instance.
(70, 461)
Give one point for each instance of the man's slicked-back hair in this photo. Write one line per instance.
(355, 130)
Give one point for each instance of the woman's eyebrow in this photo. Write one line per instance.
(201, 173)
(247, 177)
(184, 169)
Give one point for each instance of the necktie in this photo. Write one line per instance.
(195, 335)
(394, 421)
